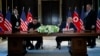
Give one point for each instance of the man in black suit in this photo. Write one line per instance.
(65, 26)
(90, 24)
(15, 21)
(31, 28)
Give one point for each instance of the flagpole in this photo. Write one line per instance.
(98, 4)
(92, 4)
(60, 18)
(6, 6)
(39, 11)
(1, 5)
(12, 5)
(98, 7)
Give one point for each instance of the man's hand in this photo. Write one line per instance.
(17, 27)
(35, 29)
(31, 30)
(71, 29)
(64, 29)
(93, 26)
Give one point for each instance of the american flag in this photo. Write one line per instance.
(7, 23)
(2, 27)
(23, 26)
(98, 22)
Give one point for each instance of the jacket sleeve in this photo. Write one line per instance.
(62, 26)
(73, 26)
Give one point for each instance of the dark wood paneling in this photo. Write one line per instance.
(9, 3)
(32, 4)
(4, 7)
(50, 12)
(72, 4)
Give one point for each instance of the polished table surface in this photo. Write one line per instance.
(78, 41)
(32, 34)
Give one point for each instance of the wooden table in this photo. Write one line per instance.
(78, 41)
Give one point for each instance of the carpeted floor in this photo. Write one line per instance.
(3, 48)
(49, 49)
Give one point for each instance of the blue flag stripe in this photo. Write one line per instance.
(82, 14)
(69, 13)
(23, 16)
(8, 15)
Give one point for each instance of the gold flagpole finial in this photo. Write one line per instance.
(29, 9)
(8, 7)
(23, 8)
(75, 7)
(69, 8)
(83, 6)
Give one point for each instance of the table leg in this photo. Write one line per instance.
(15, 47)
(78, 46)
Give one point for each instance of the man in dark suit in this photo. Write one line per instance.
(31, 28)
(65, 26)
(15, 21)
(90, 24)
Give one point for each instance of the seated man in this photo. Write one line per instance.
(31, 28)
(65, 26)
